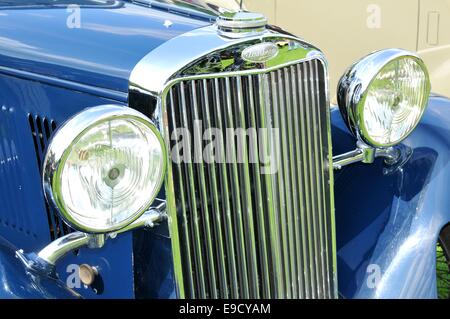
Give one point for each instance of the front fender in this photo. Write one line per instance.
(387, 225)
(18, 281)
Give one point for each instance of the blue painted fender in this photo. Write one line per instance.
(387, 224)
(18, 281)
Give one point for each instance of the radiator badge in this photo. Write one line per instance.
(260, 53)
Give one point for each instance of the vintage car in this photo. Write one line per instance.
(154, 149)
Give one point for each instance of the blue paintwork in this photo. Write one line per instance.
(23, 218)
(17, 281)
(154, 276)
(21, 189)
(115, 264)
(56, 74)
(393, 221)
(102, 52)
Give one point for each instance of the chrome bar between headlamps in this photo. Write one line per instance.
(366, 154)
(70, 242)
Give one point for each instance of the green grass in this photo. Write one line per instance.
(443, 274)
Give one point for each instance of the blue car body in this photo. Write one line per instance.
(49, 72)
(393, 219)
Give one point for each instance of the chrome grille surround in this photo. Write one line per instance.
(237, 233)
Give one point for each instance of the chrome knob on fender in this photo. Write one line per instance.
(241, 24)
(87, 274)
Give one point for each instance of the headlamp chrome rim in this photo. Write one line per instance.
(354, 86)
(66, 137)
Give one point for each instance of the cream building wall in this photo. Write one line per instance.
(346, 30)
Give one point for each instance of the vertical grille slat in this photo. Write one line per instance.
(255, 219)
(223, 173)
(291, 188)
(316, 177)
(314, 253)
(322, 170)
(298, 195)
(201, 182)
(185, 224)
(236, 189)
(213, 184)
(247, 193)
(259, 200)
(192, 202)
(318, 172)
(269, 146)
(279, 182)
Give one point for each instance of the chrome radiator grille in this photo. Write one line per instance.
(244, 232)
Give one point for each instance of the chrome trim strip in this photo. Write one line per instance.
(320, 182)
(322, 191)
(172, 217)
(152, 73)
(157, 67)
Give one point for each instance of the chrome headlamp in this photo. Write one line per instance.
(383, 96)
(103, 168)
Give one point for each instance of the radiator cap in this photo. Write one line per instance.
(241, 24)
